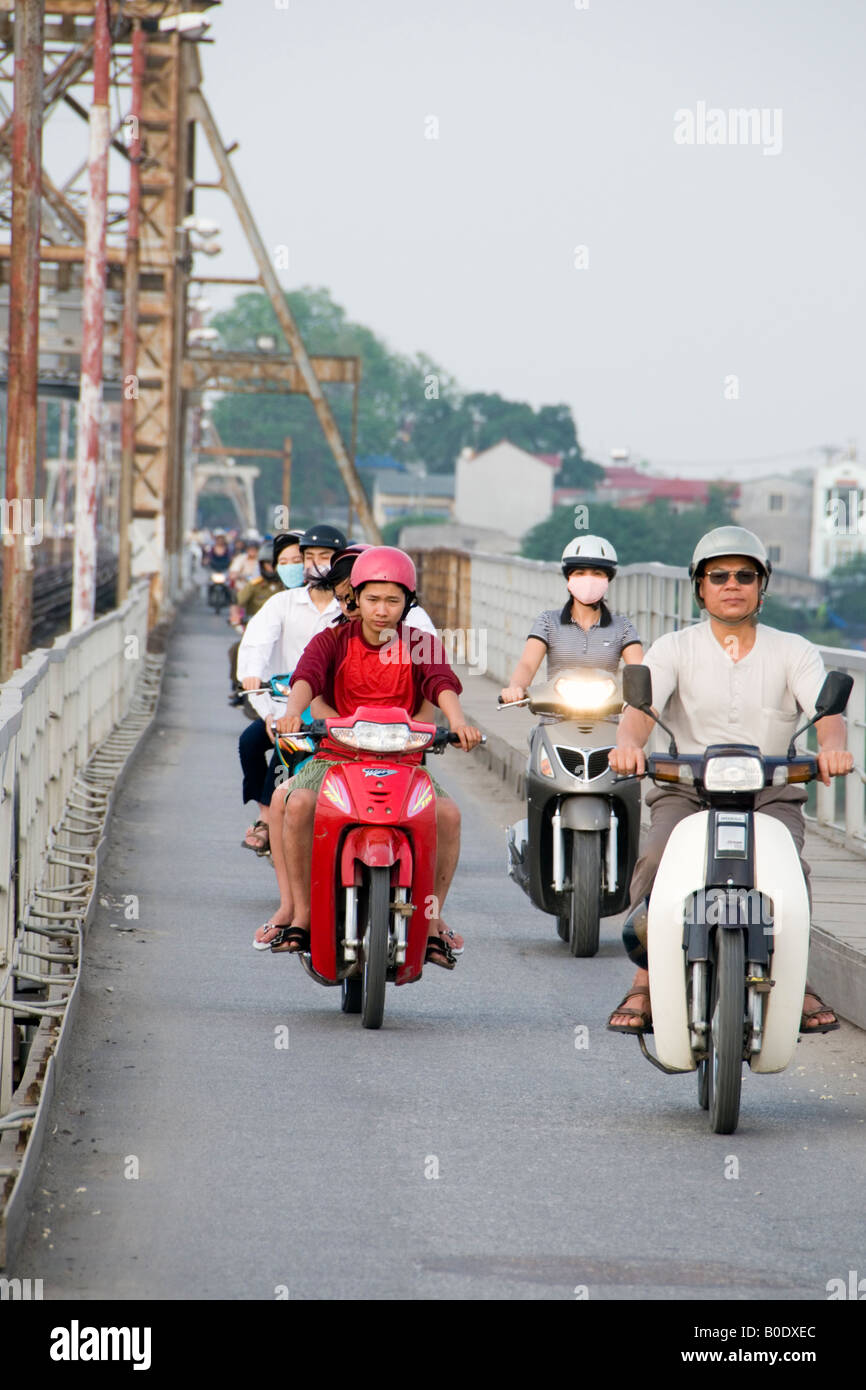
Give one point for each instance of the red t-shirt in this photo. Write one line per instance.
(348, 671)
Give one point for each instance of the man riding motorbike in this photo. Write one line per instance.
(370, 662)
(726, 680)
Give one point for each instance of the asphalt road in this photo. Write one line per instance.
(468, 1150)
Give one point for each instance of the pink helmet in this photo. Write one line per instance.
(386, 564)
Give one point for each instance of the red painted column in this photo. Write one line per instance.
(23, 510)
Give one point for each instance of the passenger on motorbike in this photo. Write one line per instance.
(726, 680)
(271, 645)
(338, 576)
(371, 662)
(584, 632)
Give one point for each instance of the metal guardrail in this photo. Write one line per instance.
(53, 713)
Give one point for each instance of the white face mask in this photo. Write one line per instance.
(588, 588)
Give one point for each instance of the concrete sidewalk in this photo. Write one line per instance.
(837, 963)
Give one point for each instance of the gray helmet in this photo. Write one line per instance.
(729, 540)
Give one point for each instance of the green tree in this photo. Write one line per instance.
(652, 532)
(409, 407)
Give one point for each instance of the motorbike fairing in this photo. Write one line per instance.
(779, 878)
(378, 813)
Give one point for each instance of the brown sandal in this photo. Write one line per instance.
(257, 838)
(644, 1017)
(822, 1009)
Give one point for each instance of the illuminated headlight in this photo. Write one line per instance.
(588, 694)
(544, 764)
(380, 738)
(734, 775)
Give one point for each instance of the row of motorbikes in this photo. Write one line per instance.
(726, 931)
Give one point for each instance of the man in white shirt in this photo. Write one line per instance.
(276, 636)
(727, 680)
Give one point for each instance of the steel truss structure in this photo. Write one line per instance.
(158, 114)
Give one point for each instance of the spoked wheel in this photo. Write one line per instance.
(585, 892)
(727, 1030)
(350, 1002)
(376, 935)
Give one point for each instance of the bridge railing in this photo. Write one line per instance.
(53, 712)
(506, 593)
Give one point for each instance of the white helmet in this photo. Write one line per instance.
(589, 552)
(730, 540)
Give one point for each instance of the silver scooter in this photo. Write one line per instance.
(574, 853)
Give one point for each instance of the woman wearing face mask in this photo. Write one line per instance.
(585, 632)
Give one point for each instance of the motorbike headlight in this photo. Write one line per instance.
(734, 774)
(585, 694)
(380, 738)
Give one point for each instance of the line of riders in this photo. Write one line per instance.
(326, 615)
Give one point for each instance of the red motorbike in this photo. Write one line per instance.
(374, 856)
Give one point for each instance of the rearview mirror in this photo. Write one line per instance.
(833, 695)
(637, 686)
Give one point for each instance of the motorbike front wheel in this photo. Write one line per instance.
(350, 1001)
(376, 936)
(585, 912)
(727, 1030)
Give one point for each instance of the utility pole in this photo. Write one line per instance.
(90, 399)
(130, 317)
(23, 332)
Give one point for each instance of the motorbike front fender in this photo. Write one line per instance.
(780, 875)
(585, 813)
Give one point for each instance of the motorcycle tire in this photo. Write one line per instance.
(727, 1030)
(563, 928)
(376, 935)
(585, 907)
(704, 1084)
(350, 1002)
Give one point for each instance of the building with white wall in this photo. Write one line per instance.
(504, 488)
(838, 514)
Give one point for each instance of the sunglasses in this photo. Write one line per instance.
(720, 577)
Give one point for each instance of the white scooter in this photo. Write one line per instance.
(727, 934)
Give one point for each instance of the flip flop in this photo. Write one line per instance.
(822, 1009)
(266, 933)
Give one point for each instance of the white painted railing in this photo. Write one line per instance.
(63, 701)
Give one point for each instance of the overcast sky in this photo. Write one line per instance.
(556, 129)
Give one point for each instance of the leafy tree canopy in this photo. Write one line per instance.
(653, 532)
(408, 407)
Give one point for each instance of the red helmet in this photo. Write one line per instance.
(387, 565)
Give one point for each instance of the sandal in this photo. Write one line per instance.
(257, 838)
(439, 953)
(644, 1017)
(266, 933)
(822, 1009)
(291, 940)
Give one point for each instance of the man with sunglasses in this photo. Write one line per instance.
(727, 680)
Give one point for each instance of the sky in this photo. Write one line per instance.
(527, 191)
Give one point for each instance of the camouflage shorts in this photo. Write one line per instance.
(312, 775)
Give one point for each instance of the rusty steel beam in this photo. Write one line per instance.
(21, 427)
(130, 319)
(251, 371)
(201, 111)
(90, 400)
(68, 255)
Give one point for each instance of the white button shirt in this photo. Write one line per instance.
(705, 697)
(276, 636)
